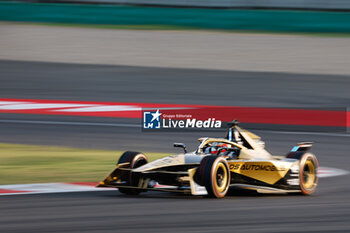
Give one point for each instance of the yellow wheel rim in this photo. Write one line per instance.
(309, 174)
(221, 177)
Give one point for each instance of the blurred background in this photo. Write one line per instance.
(284, 63)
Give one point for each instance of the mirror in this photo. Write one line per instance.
(181, 145)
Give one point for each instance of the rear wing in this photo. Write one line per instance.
(302, 146)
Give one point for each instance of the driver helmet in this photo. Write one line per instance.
(216, 147)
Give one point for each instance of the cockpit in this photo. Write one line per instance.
(219, 147)
(238, 144)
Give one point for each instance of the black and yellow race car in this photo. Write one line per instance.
(239, 160)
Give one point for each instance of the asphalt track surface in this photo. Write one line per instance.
(40, 80)
(328, 210)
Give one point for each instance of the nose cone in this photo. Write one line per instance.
(171, 160)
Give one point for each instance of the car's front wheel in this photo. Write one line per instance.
(135, 160)
(214, 174)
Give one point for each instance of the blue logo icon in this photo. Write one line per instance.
(151, 120)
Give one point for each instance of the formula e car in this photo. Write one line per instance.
(218, 164)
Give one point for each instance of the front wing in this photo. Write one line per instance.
(159, 180)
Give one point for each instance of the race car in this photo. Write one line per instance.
(239, 160)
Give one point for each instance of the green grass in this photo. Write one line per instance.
(20, 164)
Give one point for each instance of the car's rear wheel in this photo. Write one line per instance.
(308, 167)
(214, 174)
(308, 173)
(135, 160)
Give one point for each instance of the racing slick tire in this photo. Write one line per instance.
(308, 167)
(214, 174)
(136, 159)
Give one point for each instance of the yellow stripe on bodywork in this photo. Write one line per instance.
(265, 171)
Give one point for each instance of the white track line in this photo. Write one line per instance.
(104, 108)
(29, 106)
(69, 123)
(330, 172)
(305, 133)
(17, 189)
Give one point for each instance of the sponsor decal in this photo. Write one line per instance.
(268, 172)
(256, 167)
